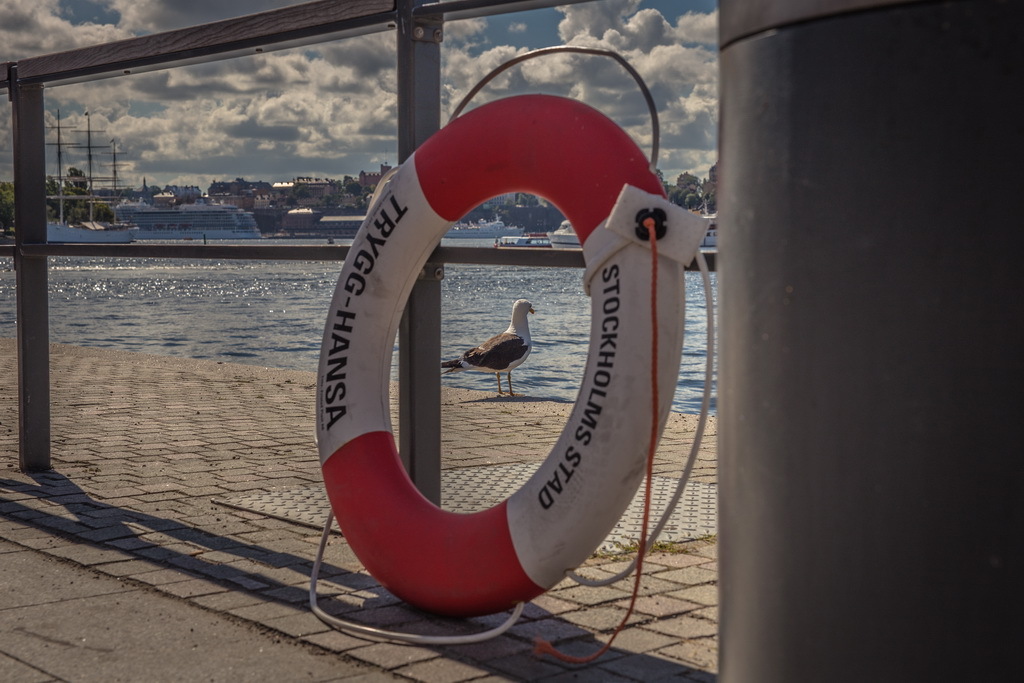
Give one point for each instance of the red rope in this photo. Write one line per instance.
(542, 646)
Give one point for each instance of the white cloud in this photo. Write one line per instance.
(35, 27)
(698, 28)
(151, 16)
(678, 62)
(330, 109)
(594, 19)
(464, 30)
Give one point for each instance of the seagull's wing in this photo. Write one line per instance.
(497, 353)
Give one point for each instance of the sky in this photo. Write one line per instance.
(328, 110)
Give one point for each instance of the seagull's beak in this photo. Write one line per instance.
(532, 311)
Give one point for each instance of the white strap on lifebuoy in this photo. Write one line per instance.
(680, 244)
(488, 561)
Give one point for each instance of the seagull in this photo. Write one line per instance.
(501, 353)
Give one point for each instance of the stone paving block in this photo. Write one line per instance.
(547, 604)
(690, 576)
(146, 523)
(704, 595)
(66, 526)
(25, 513)
(646, 667)
(46, 587)
(334, 640)
(138, 640)
(709, 613)
(587, 648)
(108, 533)
(278, 559)
(245, 581)
(159, 553)
(653, 585)
(14, 670)
(597, 618)
(495, 648)
(112, 492)
(82, 516)
(642, 639)
(391, 656)
(661, 606)
(684, 627)
(590, 595)
(526, 666)
(216, 557)
(161, 576)
(277, 575)
(86, 554)
(388, 616)
(8, 506)
(552, 630)
(450, 626)
(340, 604)
(589, 675)
(191, 588)
(44, 542)
(674, 560)
(228, 600)
(13, 530)
(298, 625)
(441, 670)
(701, 653)
(265, 611)
(110, 515)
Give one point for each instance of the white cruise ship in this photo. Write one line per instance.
(189, 222)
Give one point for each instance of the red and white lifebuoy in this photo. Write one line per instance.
(486, 562)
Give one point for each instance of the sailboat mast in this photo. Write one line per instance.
(60, 171)
(113, 165)
(88, 154)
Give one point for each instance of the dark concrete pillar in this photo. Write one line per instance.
(872, 331)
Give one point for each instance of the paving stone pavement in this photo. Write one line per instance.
(120, 560)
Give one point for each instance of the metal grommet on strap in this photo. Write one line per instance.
(648, 220)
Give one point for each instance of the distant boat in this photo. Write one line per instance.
(198, 221)
(529, 240)
(710, 240)
(564, 237)
(483, 229)
(89, 233)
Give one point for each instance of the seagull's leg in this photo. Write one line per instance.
(500, 392)
(510, 393)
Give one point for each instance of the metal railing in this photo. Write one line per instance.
(418, 26)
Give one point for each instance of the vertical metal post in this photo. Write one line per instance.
(419, 338)
(32, 296)
(871, 486)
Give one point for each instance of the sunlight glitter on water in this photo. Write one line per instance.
(271, 313)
